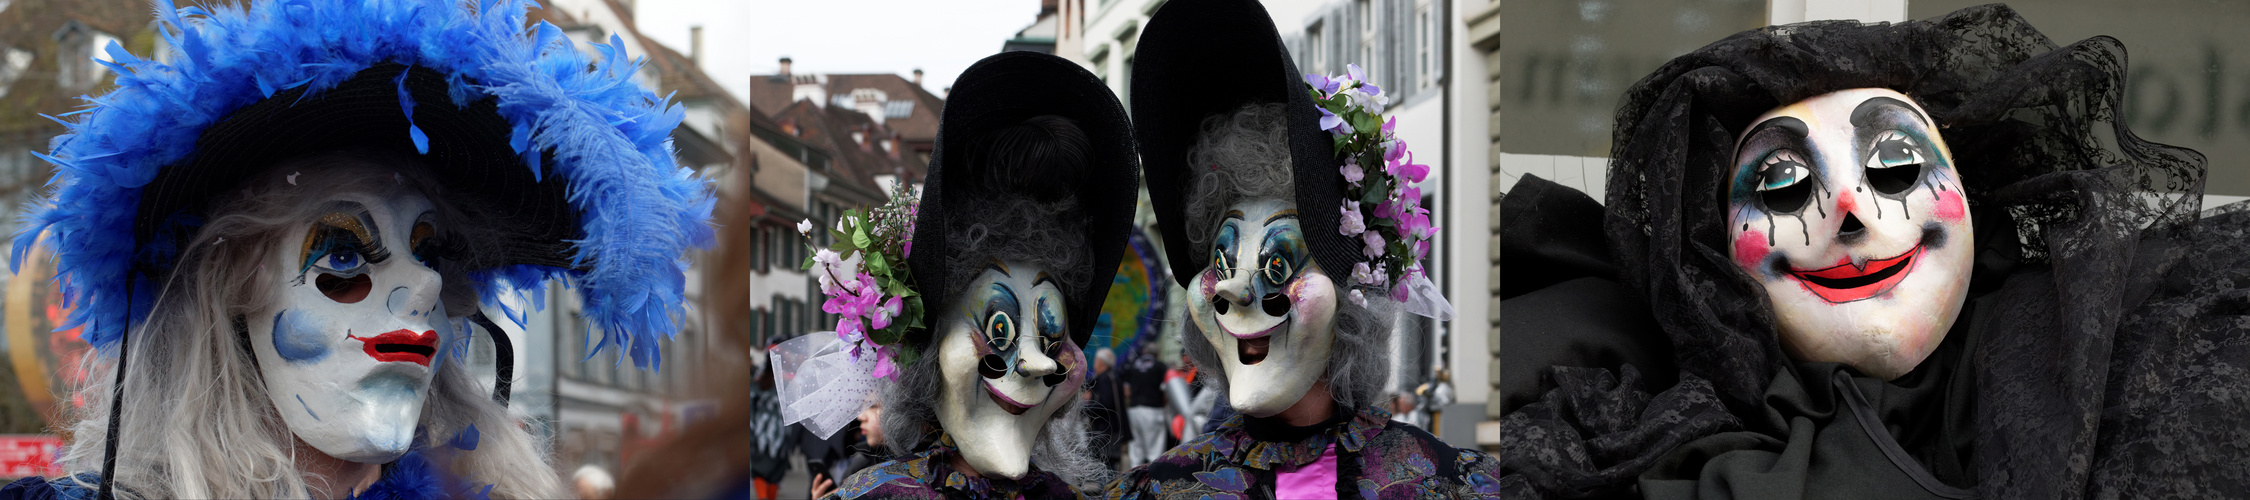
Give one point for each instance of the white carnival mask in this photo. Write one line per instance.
(1848, 209)
(349, 343)
(1266, 307)
(1008, 363)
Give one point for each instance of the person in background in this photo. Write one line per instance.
(825, 459)
(1144, 393)
(769, 439)
(1190, 401)
(868, 452)
(1404, 408)
(1106, 413)
(592, 482)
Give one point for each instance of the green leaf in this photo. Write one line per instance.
(877, 265)
(906, 356)
(1365, 122)
(807, 265)
(888, 335)
(914, 313)
(859, 237)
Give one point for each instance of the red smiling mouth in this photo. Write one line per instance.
(402, 345)
(1845, 283)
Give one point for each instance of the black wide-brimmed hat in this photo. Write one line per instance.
(1005, 90)
(1208, 57)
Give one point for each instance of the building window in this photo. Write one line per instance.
(1425, 53)
(1314, 50)
(1366, 36)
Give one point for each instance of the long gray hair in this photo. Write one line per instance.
(1251, 148)
(197, 422)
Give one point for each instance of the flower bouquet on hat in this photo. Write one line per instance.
(869, 286)
(1381, 205)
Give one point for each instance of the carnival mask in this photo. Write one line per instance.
(1265, 307)
(1848, 209)
(1008, 363)
(350, 340)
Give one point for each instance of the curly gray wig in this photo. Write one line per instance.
(1245, 157)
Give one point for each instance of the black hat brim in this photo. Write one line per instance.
(1008, 88)
(1208, 57)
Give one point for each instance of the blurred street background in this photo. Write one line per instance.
(800, 110)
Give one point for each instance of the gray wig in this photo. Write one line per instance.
(197, 422)
(1250, 148)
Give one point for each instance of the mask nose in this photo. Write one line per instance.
(1852, 231)
(415, 300)
(1231, 292)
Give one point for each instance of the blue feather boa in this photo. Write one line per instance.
(413, 477)
(610, 139)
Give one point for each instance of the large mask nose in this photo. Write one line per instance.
(414, 294)
(1233, 291)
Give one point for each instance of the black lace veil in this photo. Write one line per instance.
(2034, 127)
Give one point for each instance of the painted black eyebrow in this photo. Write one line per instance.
(1796, 127)
(1285, 214)
(997, 266)
(1044, 278)
(1864, 116)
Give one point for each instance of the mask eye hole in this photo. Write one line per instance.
(992, 366)
(425, 244)
(1895, 164)
(1782, 182)
(344, 290)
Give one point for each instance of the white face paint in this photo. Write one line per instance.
(1847, 208)
(1266, 307)
(1008, 363)
(348, 345)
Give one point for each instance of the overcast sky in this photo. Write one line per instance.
(749, 37)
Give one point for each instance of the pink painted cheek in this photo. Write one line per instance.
(1075, 361)
(1750, 248)
(1949, 206)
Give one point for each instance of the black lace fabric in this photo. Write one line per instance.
(2111, 357)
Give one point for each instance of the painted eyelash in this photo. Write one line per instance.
(345, 230)
(1784, 158)
(1875, 151)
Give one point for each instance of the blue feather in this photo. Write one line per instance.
(639, 211)
(466, 440)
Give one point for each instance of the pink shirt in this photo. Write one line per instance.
(1313, 481)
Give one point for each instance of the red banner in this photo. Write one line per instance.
(23, 455)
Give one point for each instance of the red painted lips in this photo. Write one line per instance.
(402, 345)
(1845, 283)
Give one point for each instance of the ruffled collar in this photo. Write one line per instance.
(933, 468)
(1268, 444)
